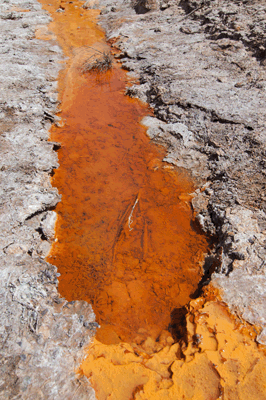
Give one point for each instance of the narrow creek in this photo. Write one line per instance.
(125, 237)
(125, 240)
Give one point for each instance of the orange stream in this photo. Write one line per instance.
(125, 239)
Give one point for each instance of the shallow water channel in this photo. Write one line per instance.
(125, 236)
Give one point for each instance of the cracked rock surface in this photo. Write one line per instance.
(201, 66)
(41, 335)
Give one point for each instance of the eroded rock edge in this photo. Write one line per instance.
(42, 335)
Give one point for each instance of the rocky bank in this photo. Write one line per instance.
(201, 66)
(42, 335)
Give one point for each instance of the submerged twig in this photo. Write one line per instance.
(125, 219)
(130, 220)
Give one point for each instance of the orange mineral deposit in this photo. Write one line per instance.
(221, 361)
(126, 241)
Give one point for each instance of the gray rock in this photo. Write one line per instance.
(47, 224)
(42, 336)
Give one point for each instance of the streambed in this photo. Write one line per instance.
(125, 240)
(40, 361)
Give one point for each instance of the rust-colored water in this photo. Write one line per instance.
(125, 238)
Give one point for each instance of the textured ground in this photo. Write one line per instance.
(41, 334)
(201, 65)
(220, 360)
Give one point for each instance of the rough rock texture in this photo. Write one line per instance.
(42, 336)
(200, 65)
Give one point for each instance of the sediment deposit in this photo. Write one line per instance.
(220, 360)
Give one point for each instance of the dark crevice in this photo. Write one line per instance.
(48, 116)
(140, 9)
(56, 145)
(42, 235)
(216, 118)
(212, 263)
(229, 269)
(141, 6)
(45, 209)
(178, 325)
(185, 6)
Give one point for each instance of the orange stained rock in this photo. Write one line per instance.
(221, 361)
(125, 238)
